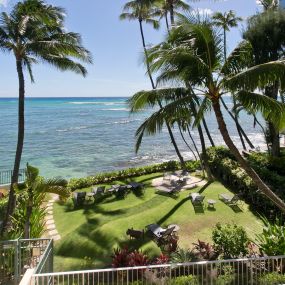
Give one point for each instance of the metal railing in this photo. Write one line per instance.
(247, 271)
(6, 176)
(16, 256)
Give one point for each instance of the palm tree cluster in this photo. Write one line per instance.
(33, 32)
(194, 73)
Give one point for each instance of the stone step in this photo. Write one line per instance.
(49, 213)
(57, 237)
(51, 201)
(51, 227)
(49, 217)
(49, 208)
(53, 232)
(49, 204)
(49, 222)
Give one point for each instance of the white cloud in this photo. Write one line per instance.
(4, 2)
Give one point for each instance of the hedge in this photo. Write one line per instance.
(227, 170)
(79, 183)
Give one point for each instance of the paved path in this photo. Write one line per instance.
(50, 225)
(164, 185)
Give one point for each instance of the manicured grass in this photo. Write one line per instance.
(96, 229)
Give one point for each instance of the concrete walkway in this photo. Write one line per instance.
(165, 185)
(50, 224)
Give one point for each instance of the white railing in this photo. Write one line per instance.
(253, 271)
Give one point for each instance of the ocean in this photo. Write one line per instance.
(76, 137)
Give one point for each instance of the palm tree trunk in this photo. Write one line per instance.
(208, 132)
(194, 143)
(204, 160)
(166, 22)
(171, 11)
(183, 138)
(241, 131)
(243, 163)
(263, 130)
(225, 44)
(20, 143)
(160, 104)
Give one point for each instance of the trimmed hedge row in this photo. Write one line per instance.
(226, 169)
(79, 183)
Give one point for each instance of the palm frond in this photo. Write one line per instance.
(271, 109)
(258, 76)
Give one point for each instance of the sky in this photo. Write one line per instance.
(115, 46)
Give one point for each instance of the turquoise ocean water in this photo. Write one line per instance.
(75, 137)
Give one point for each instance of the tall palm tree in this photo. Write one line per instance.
(226, 21)
(143, 11)
(34, 32)
(194, 52)
(169, 7)
(269, 4)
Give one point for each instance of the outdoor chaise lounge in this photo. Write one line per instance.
(230, 200)
(158, 232)
(98, 190)
(197, 199)
(79, 198)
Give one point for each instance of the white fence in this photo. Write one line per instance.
(253, 271)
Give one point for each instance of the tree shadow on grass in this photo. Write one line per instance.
(203, 188)
(172, 211)
(166, 194)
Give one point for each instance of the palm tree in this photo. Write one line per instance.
(36, 189)
(269, 4)
(169, 6)
(34, 32)
(194, 52)
(226, 21)
(142, 11)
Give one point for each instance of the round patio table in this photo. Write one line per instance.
(211, 203)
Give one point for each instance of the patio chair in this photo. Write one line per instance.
(79, 198)
(230, 200)
(98, 190)
(197, 199)
(155, 230)
(168, 232)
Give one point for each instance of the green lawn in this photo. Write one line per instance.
(97, 228)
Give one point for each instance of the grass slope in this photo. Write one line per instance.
(97, 228)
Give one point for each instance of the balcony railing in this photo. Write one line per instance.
(16, 256)
(247, 271)
(6, 176)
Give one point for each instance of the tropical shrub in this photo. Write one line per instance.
(230, 240)
(204, 251)
(272, 279)
(185, 280)
(126, 258)
(182, 256)
(226, 169)
(226, 275)
(272, 239)
(79, 183)
(169, 244)
(162, 259)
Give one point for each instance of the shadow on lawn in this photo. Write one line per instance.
(172, 211)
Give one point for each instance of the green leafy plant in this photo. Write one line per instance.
(128, 173)
(230, 240)
(272, 239)
(226, 276)
(204, 251)
(126, 258)
(182, 255)
(272, 279)
(185, 280)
